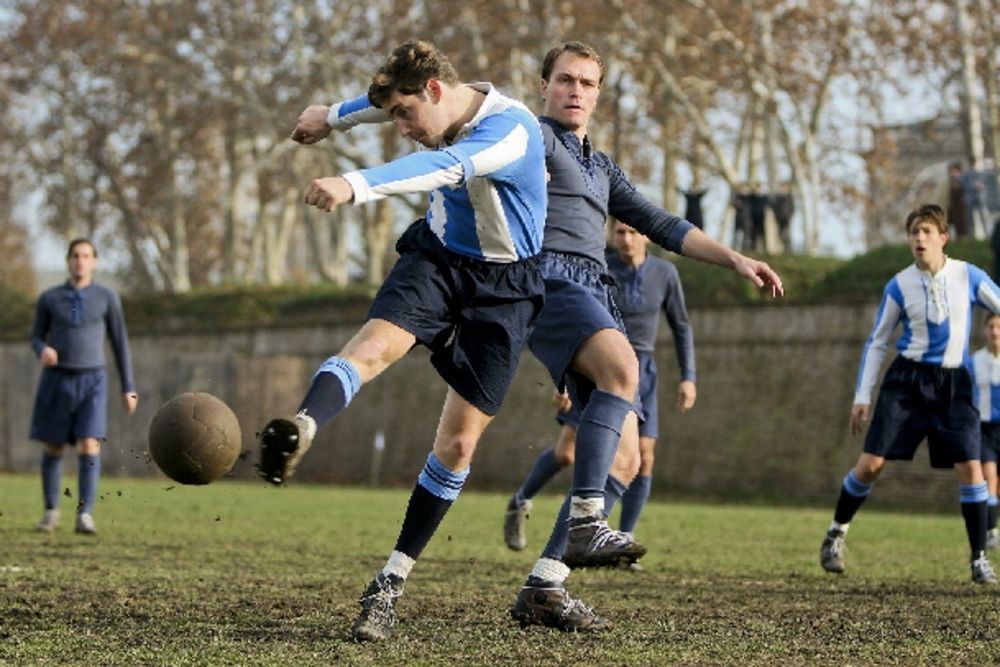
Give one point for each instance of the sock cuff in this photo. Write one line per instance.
(344, 371)
(992, 501)
(973, 493)
(586, 507)
(616, 486)
(440, 481)
(398, 564)
(550, 569)
(855, 486)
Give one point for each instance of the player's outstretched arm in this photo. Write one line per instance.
(327, 193)
(317, 121)
(699, 246)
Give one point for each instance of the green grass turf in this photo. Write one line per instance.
(241, 573)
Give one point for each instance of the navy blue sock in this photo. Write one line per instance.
(613, 491)
(852, 495)
(88, 476)
(556, 546)
(545, 469)
(597, 441)
(51, 479)
(432, 497)
(633, 501)
(332, 388)
(973, 499)
(991, 513)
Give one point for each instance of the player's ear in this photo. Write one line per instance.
(434, 90)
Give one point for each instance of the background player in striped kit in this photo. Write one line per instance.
(927, 391)
(466, 285)
(986, 383)
(646, 287)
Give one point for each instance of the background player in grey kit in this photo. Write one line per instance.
(580, 337)
(646, 286)
(71, 321)
(927, 391)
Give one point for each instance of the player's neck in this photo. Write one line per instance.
(993, 349)
(81, 282)
(635, 261)
(932, 266)
(469, 100)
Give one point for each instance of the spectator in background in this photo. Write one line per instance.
(783, 205)
(692, 206)
(957, 218)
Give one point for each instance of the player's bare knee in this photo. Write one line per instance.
(455, 451)
(620, 378)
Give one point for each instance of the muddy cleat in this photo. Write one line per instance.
(378, 609)
(550, 605)
(592, 543)
(283, 442)
(85, 524)
(982, 571)
(992, 538)
(49, 522)
(831, 553)
(513, 524)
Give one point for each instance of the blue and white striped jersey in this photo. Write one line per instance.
(488, 193)
(986, 384)
(936, 313)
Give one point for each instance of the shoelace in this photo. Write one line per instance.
(837, 548)
(381, 602)
(605, 536)
(574, 606)
(984, 569)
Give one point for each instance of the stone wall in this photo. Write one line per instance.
(775, 386)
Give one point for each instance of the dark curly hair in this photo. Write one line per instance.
(408, 69)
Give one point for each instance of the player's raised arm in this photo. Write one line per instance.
(317, 121)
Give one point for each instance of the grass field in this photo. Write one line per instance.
(241, 573)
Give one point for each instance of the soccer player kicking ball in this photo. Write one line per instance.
(986, 383)
(927, 391)
(467, 283)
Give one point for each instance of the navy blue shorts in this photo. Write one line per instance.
(989, 433)
(649, 417)
(474, 316)
(70, 405)
(920, 401)
(578, 304)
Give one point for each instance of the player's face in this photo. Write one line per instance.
(927, 244)
(81, 262)
(571, 92)
(629, 243)
(993, 333)
(419, 117)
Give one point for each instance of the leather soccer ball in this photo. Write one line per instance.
(194, 438)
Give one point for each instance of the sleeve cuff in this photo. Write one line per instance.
(362, 193)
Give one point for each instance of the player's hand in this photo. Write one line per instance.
(49, 357)
(561, 401)
(312, 125)
(131, 401)
(687, 393)
(327, 193)
(859, 417)
(760, 274)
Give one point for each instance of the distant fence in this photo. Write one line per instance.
(775, 386)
